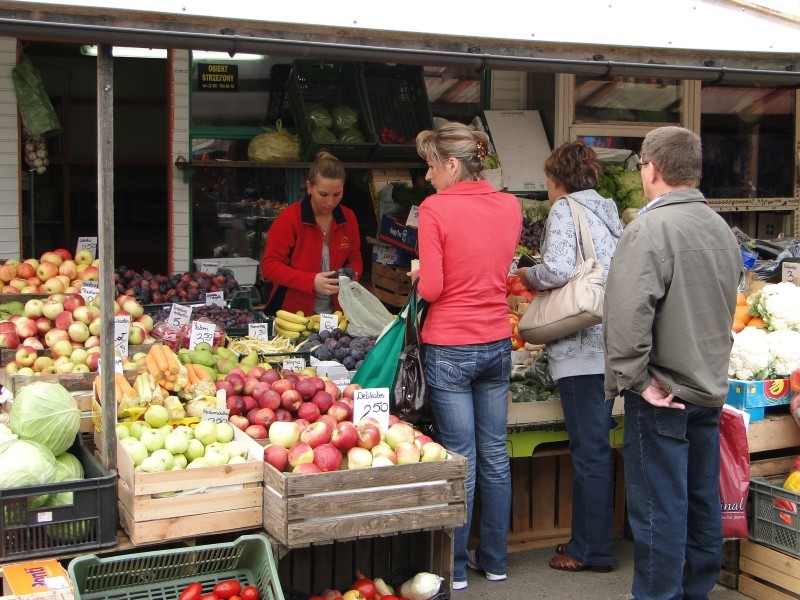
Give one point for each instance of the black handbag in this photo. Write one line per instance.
(410, 390)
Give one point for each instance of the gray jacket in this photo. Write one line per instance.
(669, 302)
(580, 353)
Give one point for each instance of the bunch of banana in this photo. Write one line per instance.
(290, 325)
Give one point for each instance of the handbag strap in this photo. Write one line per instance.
(582, 226)
(416, 307)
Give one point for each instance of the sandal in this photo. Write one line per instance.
(564, 562)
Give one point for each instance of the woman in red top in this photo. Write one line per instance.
(309, 241)
(468, 232)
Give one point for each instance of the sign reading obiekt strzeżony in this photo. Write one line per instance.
(218, 78)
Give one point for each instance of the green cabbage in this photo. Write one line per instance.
(24, 464)
(46, 413)
(324, 136)
(344, 117)
(318, 116)
(68, 468)
(351, 135)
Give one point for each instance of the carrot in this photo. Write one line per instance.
(190, 372)
(202, 374)
(161, 359)
(173, 364)
(127, 389)
(117, 391)
(97, 390)
(151, 363)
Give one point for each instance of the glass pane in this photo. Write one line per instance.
(747, 138)
(634, 143)
(230, 93)
(627, 99)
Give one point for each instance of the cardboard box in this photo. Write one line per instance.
(754, 396)
(244, 269)
(397, 233)
(377, 179)
(387, 254)
(37, 580)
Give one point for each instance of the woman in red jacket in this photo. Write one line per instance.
(309, 241)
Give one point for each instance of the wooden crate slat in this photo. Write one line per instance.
(543, 500)
(768, 574)
(71, 381)
(564, 483)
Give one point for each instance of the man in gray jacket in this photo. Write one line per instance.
(669, 305)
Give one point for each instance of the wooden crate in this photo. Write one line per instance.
(541, 502)
(390, 284)
(71, 381)
(768, 574)
(214, 499)
(306, 571)
(342, 505)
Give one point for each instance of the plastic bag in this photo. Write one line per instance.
(366, 315)
(277, 145)
(37, 112)
(734, 473)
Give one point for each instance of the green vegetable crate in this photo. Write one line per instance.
(163, 574)
(88, 522)
(318, 88)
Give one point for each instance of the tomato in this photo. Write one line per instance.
(364, 585)
(210, 597)
(250, 593)
(193, 591)
(228, 588)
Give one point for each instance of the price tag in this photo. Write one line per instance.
(328, 322)
(341, 384)
(790, 272)
(122, 326)
(216, 415)
(209, 266)
(89, 290)
(87, 243)
(44, 516)
(222, 398)
(413, 217)
(258, 331)
(117, 365)
(294, 364)
(179, 315)
(202, 332)
(372, 402)
(215, 298)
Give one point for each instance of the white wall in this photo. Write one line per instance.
(9, 154)
(179, 190)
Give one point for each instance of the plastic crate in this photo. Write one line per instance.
(329, 84)
(163, 574)
(398, 99)
(88, 523)
(276, 360)
(776, 515)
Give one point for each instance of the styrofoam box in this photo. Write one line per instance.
(244, 269)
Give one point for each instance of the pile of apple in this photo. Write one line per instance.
(55, 272)
(309, 424)
(70, 328)
(154, 445)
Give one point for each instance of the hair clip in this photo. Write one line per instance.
(481, 151)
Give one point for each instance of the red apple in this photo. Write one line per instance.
(291, 400)
(344, 436)
(221, 384)
(26, 356)
(26, 327)
(281, 414)
(257, 431)
(306, 469)
(315, 434)
(237, 381)
(26, 270)
(309, 411)
(329, 420)
(282, 385)
(340, 411)
(327, 457)
(256, 371)
(350, 390)
(32, 342)
(63, 253)
(249, 385)
(332, 389)
(43, 324)
(235, 405)
(368, 435)
(302, 424)
(237, 371)
(306, 388)
(239, 421)
(270, 376)
(300, 453)
(277, 456)
(323, 400)
(421, 440)
(63, 320)
(262, 416)
(9, 339)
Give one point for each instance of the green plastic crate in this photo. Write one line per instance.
(163, 574)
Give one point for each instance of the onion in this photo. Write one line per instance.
(28, 147)
(41, 170)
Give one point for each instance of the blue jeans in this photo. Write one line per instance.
(587, 414)
(672, 485)
(469, 400)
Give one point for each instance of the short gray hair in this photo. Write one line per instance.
(677, 154)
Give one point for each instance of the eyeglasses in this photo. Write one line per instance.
(641, 165)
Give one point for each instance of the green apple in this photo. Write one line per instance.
(197, 463)
(176, 442)
(165, 430)
(137, 427)
(224, 432)
(216, 454)
(185, 429)
(236, 448)
(156, 416)
(136, 449)
(179, 461)
(206, 432)
(152, 439)
(235, 460)
(153, 464)
(122, 432)
(195, 450)
(165, 456)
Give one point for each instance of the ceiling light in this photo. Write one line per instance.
(211, 55)
(123, 51)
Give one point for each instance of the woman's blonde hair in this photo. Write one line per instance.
(327, 166)
(455, 140)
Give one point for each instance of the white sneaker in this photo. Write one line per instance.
(472, 563)
(460, 585)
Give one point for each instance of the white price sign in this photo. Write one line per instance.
(89, 290)
(87, 243)
(217, 415)
(122, 327)
(413, 217)
(258, 331)
(341, 384)
(790, 272)
(202, 332)
(294, 364)
(215, 298)
(179, 315)
(372, 402)
(117, 365)
(208, 266)
(328, 322)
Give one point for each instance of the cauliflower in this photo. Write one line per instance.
(204, 387)
(779, 305)
(784, 350)
(750, 355)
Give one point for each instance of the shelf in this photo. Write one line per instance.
(237, 164)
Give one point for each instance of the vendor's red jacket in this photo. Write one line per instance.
(293, 254)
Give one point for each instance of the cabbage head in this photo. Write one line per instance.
(318, 117)
(324, 136)
(351, 135)
(68, 468)
(344, 117)
(45, 412)
(24, 464)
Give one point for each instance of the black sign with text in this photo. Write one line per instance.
(219, 78)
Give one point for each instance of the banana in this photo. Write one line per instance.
(289, 335)
(343, 323)
(289, 325)
(291, 317)
(314, 317)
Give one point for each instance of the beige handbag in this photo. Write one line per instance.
(558, 312)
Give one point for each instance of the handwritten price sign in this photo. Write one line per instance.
(89, 290)
(179, 315)
(117, 365)
(209, 267)
(294, 364)
(202, 332)
(413, 217)
(790, 272)
(372, 402)
(258, 331)
(87, 243)
(122, 327)
(215, 298)
(328, 322)
(215, 415)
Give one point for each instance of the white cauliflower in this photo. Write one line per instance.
(779, 305)
(784, 349)
(750, 355)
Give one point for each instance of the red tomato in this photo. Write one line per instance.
(193, 591)
(250, 592)
(365, 586)
(210, 597)
(228, 588)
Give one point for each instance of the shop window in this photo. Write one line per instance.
(627, 99)
(748, 139)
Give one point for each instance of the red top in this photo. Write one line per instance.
(468, 234)
(293, 254)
